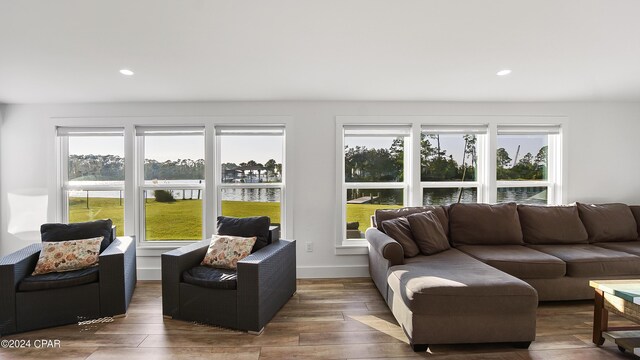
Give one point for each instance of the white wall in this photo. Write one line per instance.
(602, 143)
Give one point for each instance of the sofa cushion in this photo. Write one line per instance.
(635, 210)
(608, 222)
(61, 256)
(224, 251)
(387, 214)
(552, 225)
(58, 280)
(428, 233)
(631, 247)
(75, 231)
(454, 282)
(484, 224)
(257, 226)
(400, 230)
(587, 260)
(211, 277)
(517, 260)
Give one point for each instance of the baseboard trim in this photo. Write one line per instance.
(303, 272)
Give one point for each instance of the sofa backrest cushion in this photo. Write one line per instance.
(400, 231)
(552, 225)
(387, 214)
(608, 222)
(484, 224)
(635, 209)
(428, 233)
(257, 226)
(77, 231)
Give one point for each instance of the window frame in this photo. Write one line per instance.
(251, 130)
(141, 186)
(131, 197)
(486, 181)
(62, 134)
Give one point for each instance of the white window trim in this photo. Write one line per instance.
(131, 209)
(486, 178)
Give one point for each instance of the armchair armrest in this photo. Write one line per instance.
(386, 246)
(117, 268)
(266, 281)
(174, 262)
(13, 268)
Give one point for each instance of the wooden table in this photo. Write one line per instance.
(621, 297)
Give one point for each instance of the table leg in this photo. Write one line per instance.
(600, 318)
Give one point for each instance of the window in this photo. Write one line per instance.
(171, 188)
(92, 174)
(374, 172)
(449, 163)
(250, 179)
(441, 160)
(526, 160)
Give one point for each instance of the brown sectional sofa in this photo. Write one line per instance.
(502, 260)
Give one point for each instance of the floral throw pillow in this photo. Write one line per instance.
(61, 256)
(225, 251)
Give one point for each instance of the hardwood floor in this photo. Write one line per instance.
(326, 319)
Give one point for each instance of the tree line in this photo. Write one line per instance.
(363, 164)
(111, 168)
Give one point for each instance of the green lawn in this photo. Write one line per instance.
(362, 213)
(180, 220)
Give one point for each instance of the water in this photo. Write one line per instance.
(235, 194)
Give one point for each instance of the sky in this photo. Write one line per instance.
(236, 149)
(454, 144)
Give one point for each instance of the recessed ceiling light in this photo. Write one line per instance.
(126, 72)
(503, 72)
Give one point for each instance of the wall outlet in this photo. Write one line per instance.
(309, 246)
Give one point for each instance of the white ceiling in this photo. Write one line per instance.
(183, 50)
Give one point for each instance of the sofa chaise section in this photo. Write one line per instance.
(452, 298)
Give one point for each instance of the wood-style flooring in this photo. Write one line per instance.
(326, 319)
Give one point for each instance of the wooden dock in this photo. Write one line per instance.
(363, 200)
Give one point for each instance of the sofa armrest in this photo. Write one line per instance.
(13, 268)
(174, 262)
(117, 268)
(386, 246)
(266, 281)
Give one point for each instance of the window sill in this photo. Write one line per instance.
(353, 247)
(150, 249)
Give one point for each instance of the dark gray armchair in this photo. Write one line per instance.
(246, 299)
(65, 298)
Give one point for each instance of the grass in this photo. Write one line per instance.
(362, 213)
(182, 219)
(179, 220)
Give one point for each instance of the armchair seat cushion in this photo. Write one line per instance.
(58, 280)
(212, 278)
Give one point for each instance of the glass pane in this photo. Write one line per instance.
(362, 203)
(97, 205)
(169, 217)
(522, 157)
(446, 196)
(174, 159)
(252, 202)
(448, 157)
(374, 159)
(523, 195)
(251, 158)
(96, 160)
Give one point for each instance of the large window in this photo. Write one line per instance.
(374, 175)
(526, 161)
(449, 163)
(440, 161)
(251, 171)
(171, 190)
(92, 174)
